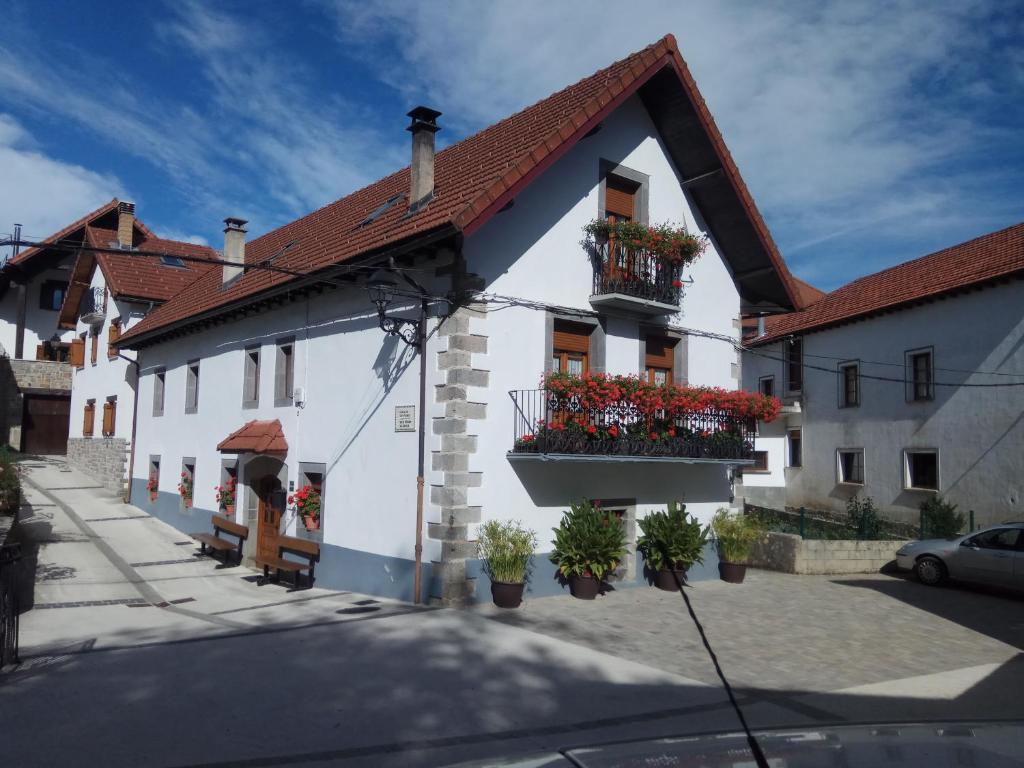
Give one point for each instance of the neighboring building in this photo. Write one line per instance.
(903, 384)
(282, 380)
(110, 291)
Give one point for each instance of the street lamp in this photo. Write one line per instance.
(382, 286)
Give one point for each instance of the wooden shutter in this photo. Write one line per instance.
(113, 334)
(40, 352)
(659, 356)
(78, 353)
(94, 351)
(108, 418)
(90, 419)
(572, 337)
(619, 198)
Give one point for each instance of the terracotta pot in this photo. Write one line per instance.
(229, 510)
(506, 594)
(732, 572)
(312, 524)
(669, 579)
(584, 587)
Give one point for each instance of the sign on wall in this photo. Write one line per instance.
(405, 418)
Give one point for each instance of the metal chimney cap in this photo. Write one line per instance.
(233, 223)
(423, 119)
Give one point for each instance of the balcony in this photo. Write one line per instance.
(94, 306)
(634, 280)
(551, 426)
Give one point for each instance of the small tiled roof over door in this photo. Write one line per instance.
(256, 437)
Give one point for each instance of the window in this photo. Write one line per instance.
(110, 416)
(851, 466)
(51, 295)
(90, 418)
(620, 199)
(94, 350)
(920, 379)
(187, 482)
(284, 372)
(113, 334)
(796, 448)
(921, 470)
(54, 351)
(794, 354)
(571, 348)
(760, 462)
(172, 261)
(153, 482)
(659, 359)
(78, 352)
(192, 387)
(766, 385)
(159, 383)
(849, 385)
(997, 538)
(251, 381)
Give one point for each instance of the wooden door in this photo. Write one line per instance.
(44, 424)
(269, 528)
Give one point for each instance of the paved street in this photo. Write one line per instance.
(136, 652)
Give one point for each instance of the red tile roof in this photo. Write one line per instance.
(806, 294)
(256, 437)
(27, 255)
(147, 277)
(974, 263)
(473, 179)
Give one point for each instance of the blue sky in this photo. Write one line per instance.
(868, 133)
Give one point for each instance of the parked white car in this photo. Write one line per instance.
(991, 556)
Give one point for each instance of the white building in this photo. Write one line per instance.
(900, 385)
(284, 378)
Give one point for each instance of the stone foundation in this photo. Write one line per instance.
(788, 553)
(20, 376)
(103, 458)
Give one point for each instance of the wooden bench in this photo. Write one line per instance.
(217, 544)
(308, 550)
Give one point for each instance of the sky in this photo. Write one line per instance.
(869, 133)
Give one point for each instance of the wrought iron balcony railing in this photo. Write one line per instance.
(546, 423)
(635, 272)
(94, 305)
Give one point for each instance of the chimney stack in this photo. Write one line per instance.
(423, 127)
(234, 247)
(125, 224)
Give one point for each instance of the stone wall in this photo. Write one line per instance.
(789, 553)
(19, 376)
(104, 458)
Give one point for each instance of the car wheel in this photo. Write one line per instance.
(930, 571)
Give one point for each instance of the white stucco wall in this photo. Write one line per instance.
(40, 324)
(978, 432)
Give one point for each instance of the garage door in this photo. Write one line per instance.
(44, 424)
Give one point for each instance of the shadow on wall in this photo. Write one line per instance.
(555, 483)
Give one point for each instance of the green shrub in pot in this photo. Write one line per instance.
(671, 541)
(735, 534)
(506, 549)
(589, 544)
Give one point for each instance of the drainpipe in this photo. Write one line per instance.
(421, 331)
(135, 421)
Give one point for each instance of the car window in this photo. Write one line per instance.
(998, 538)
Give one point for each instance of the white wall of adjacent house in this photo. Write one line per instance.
(977, 432)
(40, 319)
(108, 377)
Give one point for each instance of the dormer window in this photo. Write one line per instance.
(172, 261)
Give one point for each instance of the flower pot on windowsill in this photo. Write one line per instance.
(228, 510)
(507, 594)
(311, 523)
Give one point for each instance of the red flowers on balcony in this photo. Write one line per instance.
(672, 245)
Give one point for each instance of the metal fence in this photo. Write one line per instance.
(635, 272)
(10, 561)
(818, 524)
(544, 422)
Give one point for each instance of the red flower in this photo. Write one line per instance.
(677, 283)
(613, 431)
(654, 435)
(291, 499)
(591, 429)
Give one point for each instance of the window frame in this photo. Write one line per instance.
(654, 363)
(842, 368)
(769, 380)
(49, 288)
(789, 362)
(159, 386)
(192, 373)
(789, 447)
(284, 386)
(247, 356)
(188, 465)
(841, 478)
(910, 372)
(908, 473)
(569, 347)
(758, 467)
(641, 197)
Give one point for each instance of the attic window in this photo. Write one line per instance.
(172, 261)
(381, 209)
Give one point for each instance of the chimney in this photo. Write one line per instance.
(760, 325)
(234, 247)
(125, 223)
(423, 127)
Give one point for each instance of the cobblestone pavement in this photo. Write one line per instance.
(792, 633)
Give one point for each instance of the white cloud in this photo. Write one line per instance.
(41, 193)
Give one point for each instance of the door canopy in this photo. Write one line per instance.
(256, 437)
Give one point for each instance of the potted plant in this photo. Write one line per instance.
(589, 543)
(505, 549)
(735, 535)
(671, 542)
(307, 504)
(226, 496)
(185, 489)
(153, 486)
